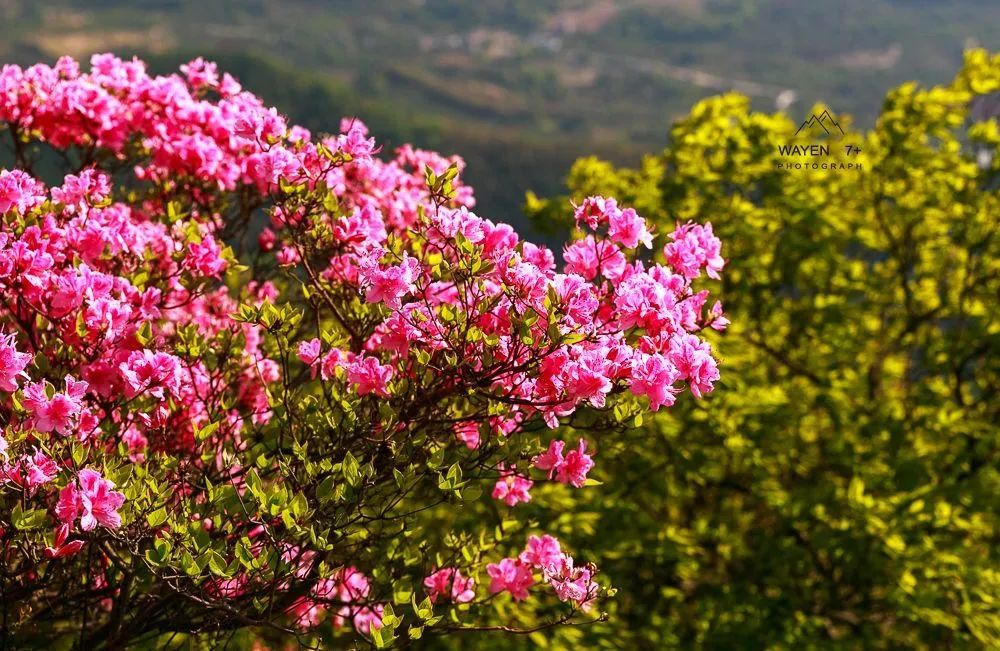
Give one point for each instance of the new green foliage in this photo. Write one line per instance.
(840, 489)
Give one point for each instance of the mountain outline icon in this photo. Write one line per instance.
(822, 120)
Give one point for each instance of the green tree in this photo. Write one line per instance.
(840, 490)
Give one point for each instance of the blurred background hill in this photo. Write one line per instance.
(521, 88)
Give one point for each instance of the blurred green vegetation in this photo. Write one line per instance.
(839, 488)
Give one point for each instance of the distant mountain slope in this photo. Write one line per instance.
(540, 81)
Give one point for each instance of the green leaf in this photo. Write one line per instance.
(350, 469)
(157, 517)
(79, 454)
(28, 520)
(299, 505)
(325, 489)
(243, 553)
(216, 564)
(145, 333)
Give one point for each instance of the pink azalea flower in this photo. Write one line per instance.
(12, 363)
(346, 586)
(577, 299)
(586, 378)
(151, 372)
(551, 459)
(19, 190)
(94, 502)
(303, 560)
(60, 548)
(352, 584)
(693, 359)
(719, 321)
(575, 467)
(330, 362)
(58, 413)
(29, 472)
(589, 257)
(136, 442)
(512, 576)
(512, 488)
(309, 610)
(109, 316)
(370, 376)
(629, 229)
(571, 469)
(309, 351)
(468, 433)
(266, 240)
(77, 192)
(654, 376)
(354, 140)
(451, 585)
(694, 248)
(595, 211)
(201, 73)
(388, 285)
(39, 469)
(367, 619)
(288, 256)
(572, 583)
(540, 256)
(227, 588)
(205, 258)
(542, 553)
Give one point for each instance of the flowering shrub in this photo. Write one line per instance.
(203, 433)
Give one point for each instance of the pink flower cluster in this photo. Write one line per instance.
(120, 342)
(512, 488)
(600, 301)
(29, 471)
(83, 272)
(234, 140)
(346, 593)
(61, 412)
(92, 499)
(19, 191)
(571, 583)
(570, 469)
(12, 364)
(448, 583)
(694, 248)
(625, 227)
